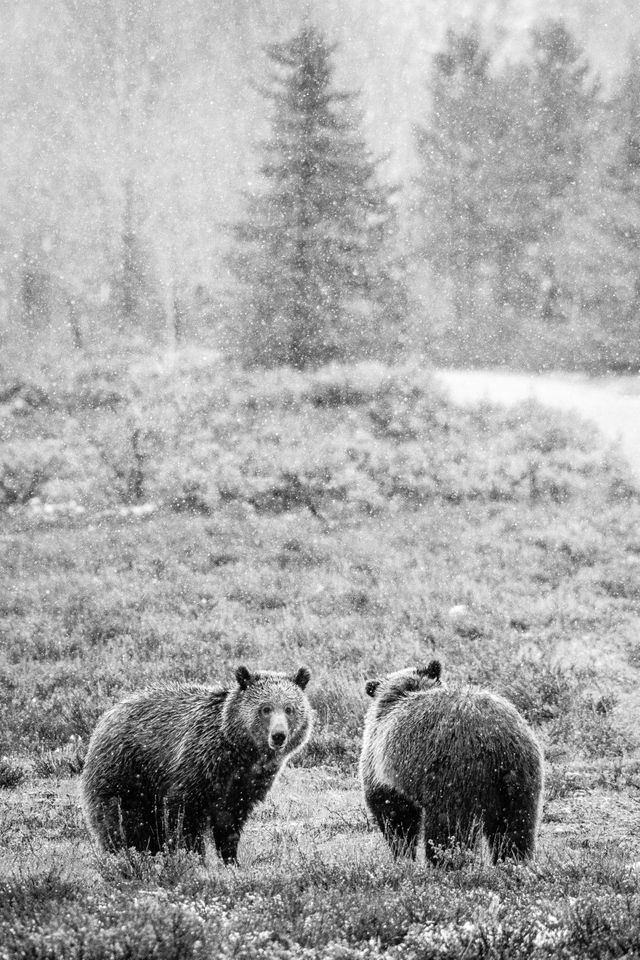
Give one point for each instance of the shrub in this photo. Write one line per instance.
(62, 762)
(543, 692)
(11, 774)
(25, 468)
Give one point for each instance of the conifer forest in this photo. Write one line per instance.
(475, 180)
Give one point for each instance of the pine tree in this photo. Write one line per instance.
(135, 286)
(455, 150)
(314, 253)
(502, 161)
(559, 112)
(618, 237)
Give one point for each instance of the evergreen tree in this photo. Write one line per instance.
(536, 173)
(616, 234)
(454, 149)
(315, 251)
(560, 115)
(503, 163)
(562, 100)
(135, 287)
(511, 200)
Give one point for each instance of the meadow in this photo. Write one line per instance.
(170, 519)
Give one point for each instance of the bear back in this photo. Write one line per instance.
(452, 735)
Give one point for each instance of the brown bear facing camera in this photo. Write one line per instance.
(168, 765)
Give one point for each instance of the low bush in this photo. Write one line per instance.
(25, 467)
(365, 436)
(62, 762)
(12, 774)
(348, 910)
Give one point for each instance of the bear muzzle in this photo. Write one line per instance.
(278, 733)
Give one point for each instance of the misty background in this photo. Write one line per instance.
(132, 132)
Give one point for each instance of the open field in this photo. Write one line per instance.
(356, 521)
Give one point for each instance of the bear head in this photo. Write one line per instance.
(270, 710)
(386, 690)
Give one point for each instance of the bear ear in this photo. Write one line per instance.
(243, 677)
(432, 670)
(371, 687)
(302, 678)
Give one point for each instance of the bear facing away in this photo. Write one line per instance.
(453, 763)
(169, 764)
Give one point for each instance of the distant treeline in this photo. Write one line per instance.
(528, 206)
(517, 240)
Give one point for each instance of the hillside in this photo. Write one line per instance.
(152, 510)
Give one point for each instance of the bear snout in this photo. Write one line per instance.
(278, 730)
(277, 739)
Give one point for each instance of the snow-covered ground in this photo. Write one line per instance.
(613, 403)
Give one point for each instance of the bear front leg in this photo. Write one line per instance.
(226, 839)
(230, 814)
(226, 829)
(397, 817)
(193, 839)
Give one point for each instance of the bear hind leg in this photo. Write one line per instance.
(512, 843)
(119, 826)
(398, 818)
(512, 833)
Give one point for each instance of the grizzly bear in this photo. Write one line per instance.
(169, 764)
(454, 764)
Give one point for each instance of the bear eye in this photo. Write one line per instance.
(265, 710)
(289, 710)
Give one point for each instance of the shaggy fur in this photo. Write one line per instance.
(459, 762)
(168, 764)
